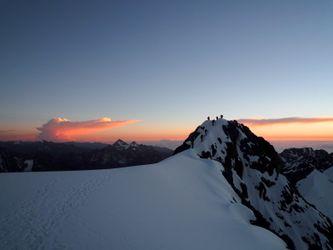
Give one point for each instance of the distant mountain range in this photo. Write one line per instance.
(51, 156)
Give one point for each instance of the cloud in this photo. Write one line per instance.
(286, 120)
(62, 129)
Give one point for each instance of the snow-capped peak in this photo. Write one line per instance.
(120, 144)
(252, 167)
(133, 144)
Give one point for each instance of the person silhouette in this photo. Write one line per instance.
(208, 118)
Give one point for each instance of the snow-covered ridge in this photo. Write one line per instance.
(183, 202)
(252, 166)
(317, 188)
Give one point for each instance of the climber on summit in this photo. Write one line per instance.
(217, 118)
(208, 118)
(221, 116)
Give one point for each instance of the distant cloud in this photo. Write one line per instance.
(62, 129)
(287, 120)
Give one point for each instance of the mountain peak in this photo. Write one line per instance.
(252, 167)
(219, 139)
(120, 144)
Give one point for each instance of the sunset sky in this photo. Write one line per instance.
(152, 70)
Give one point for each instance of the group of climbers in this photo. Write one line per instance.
(202, 136)
(213, 121)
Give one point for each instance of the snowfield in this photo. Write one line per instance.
(317, 188)
(183, 202)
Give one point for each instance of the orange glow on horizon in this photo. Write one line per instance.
(18, 137)
(103, 130)
(295, 131)
(137, 134)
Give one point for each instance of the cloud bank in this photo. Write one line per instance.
(287, 120)
(62, 129)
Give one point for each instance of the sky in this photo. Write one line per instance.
(152, 70)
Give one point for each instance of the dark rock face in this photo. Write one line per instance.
(300, 162)
(49, 156)
(253, 169)
(188, 142)
(10, 161)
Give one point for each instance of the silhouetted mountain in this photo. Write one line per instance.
(51, 156)
(122, 154)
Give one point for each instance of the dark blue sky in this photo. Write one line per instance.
(171, 61)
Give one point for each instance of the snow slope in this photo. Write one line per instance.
(183, 202)
(317, 188)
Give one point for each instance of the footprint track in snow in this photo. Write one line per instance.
(31, 224)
